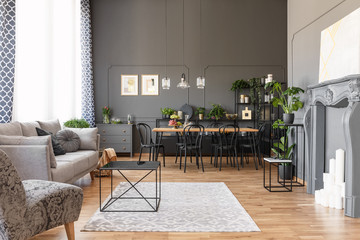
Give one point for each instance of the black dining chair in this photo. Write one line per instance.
(227, 138)
(214, 139)
(146, 141)
(251, 142)
(193, 136)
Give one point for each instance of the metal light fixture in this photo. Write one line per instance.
(200, 81)
(183, 84)
(165, 82)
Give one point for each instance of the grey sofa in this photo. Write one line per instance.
(33, 156)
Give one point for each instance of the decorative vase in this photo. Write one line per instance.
(106, 118)
(201, 116)
(288, 118)
(288, 174)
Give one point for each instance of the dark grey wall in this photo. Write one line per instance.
(240, 39)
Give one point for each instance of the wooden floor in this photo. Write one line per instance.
(287, 215)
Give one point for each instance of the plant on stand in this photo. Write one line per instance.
(239, 85)
(217, 112)
(288, 100)
(200, 111)
(106, 111)
(255, 93)
(283, 151)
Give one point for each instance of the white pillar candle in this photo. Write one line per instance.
(325, 199)
(340, 166)
(332, 200)
(338, 201)
(332, 166)
(317, 196)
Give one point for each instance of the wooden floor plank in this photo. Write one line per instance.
(278, 215)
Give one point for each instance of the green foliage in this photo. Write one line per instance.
(288, 99)
(281, 150)
(239, 84)
(106, 110)
(167, 111)
(217, 112)
(276, 124)
(200, 110)
(77, 123)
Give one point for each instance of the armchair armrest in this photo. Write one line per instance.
(31, 161)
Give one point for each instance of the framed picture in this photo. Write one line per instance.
(129, 85)
(150, 85)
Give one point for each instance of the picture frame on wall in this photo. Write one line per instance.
(150, 84)
(129, 85)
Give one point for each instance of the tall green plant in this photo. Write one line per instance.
(288, 100)
(280, 149)
(239, 85)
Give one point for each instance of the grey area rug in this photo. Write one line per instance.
(184, 207)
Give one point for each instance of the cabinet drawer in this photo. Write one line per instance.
(118, 147)
(114, 139)
(114, 129)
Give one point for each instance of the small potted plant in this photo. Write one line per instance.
(166, 112)
(217, 112)
(106, 111)
(173, 122)
(288, 100)
(77, 123)
(200, 111)
(283, 151)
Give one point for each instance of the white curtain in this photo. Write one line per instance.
(47, 62)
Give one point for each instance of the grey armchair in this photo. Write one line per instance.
(30, 207)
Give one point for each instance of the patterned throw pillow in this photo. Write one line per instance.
(58, 150)
(68, 140)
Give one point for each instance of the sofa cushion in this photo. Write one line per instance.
(88, 137)
(80, 163)
(11, 129)
(93, 156)
(52, 126)
(38, 140)
(29, 128)
(58, 150)
(64, 172)
(68, 140)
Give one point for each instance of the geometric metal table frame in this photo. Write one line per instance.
(132, 165)
(283, 184)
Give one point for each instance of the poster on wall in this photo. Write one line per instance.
(129, 85)
(340, 48)
(149, 85)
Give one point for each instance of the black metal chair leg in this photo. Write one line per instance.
(163, 148)
(180, 157)
(140, 153)
(177, 152)
(202, 164)
(150, 154)
(221, 154)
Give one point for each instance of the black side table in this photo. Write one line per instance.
(276, 162)
(149, 167)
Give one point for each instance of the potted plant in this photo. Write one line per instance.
(217, 112)
(106, 111)
(77, 123)
(239, 84)
(200, 111)
(166, 112)
(283, 151)
(288, 100)
(255, 93)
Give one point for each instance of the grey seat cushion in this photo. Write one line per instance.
(11, 129)
(69, 140)
(64, 172)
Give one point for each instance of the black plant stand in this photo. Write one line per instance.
(149, 167)
(283, 184)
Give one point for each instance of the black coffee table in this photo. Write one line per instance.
(149, 167)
